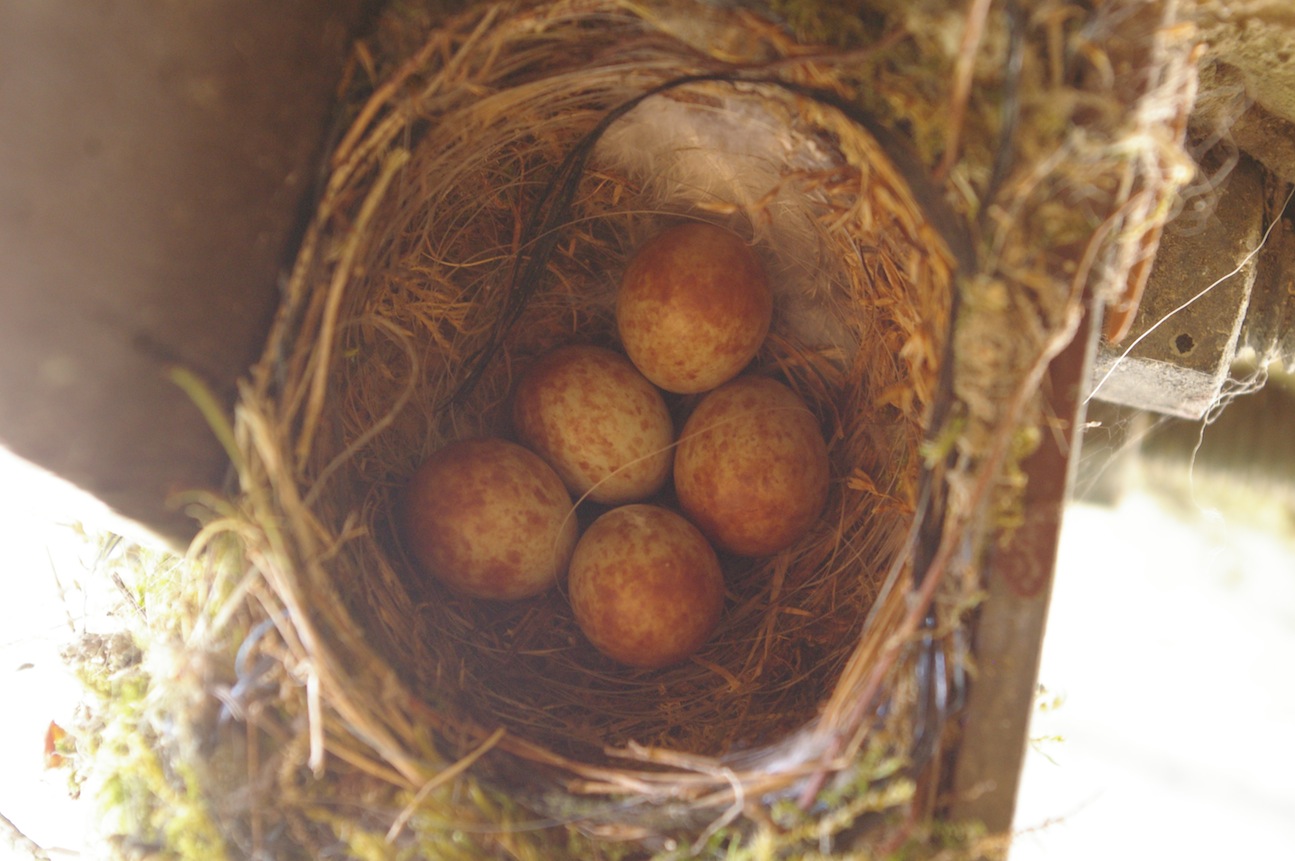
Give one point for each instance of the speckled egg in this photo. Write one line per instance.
(645, 586)
(751, 468)
(597, 421)
(488, 518)
(694, 307)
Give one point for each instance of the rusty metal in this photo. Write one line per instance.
(1188, 327)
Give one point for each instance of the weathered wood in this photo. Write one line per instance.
(985, 767)
(154, 161)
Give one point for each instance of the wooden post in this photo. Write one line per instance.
(154, 164)
(984, 768)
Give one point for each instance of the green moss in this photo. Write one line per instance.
(1009, 500)
(936, 449)
(950, 841)
(840, 824)
(146, 795)
(844, 24)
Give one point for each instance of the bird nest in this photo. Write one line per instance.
(498, 171)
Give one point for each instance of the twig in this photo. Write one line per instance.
(963, 73)
(19, 841)
(440, 779)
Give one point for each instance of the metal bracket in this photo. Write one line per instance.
(1189, 327)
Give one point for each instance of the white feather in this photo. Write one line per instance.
(736, 158)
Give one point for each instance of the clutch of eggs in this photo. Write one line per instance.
(494, 519)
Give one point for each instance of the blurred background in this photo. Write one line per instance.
(1163, 723)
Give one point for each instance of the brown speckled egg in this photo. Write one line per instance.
(489, 518)
(751, 469)
(597, 421)
(645, 586)
(694, 306)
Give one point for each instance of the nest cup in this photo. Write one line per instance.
(478, 212)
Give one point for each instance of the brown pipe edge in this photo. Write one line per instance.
(155, 159)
